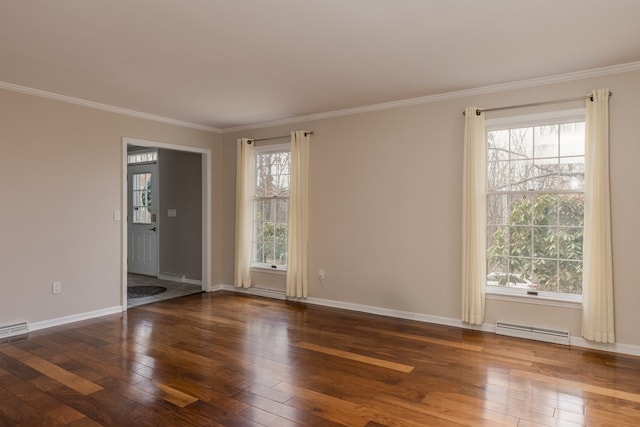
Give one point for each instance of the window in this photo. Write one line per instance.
(141, 202)
(142, 157)
(535, 205)
(271, 207)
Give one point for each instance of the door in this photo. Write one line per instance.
(142, 225)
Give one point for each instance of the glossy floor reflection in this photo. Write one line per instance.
(223, 359)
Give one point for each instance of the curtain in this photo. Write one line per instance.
(298, 233)
(597, 275)
(474, 276)
(245, 176)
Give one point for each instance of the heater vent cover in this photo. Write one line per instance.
(13, 330)
(533, 333)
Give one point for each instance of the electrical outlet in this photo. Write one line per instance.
(56, 288)
(321, 274)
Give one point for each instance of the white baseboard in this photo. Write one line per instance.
(178, 278)
(74, 318)
(381, 311)
(633, 350)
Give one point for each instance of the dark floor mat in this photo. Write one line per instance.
(144, 291)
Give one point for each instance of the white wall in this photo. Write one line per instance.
(386, 205)
(60, 181)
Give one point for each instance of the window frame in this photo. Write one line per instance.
(529, 120)
(151, 157)
(259, 150)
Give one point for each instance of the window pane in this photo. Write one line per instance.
(265, 209)
(498, 209)
(546, 174)
(520, 241)
(519, 269)
(264, 232)
(545, 274)
(521, 175)
(498, 145)
(571, 209)
(521, 209)
(498, 240)
(259, 256)
(545, 242)
(272, 174)
(545, 210)
(572, 142)
(570, 243)
(571, 173)
(498, 176)
(282, 210)
(497, 269)
(546, 141)
(521, 143)
(269, 256)
(570, 277)
(280, 254)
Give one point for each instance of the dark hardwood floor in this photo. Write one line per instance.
(229, 360)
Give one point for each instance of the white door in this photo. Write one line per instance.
(142, 225)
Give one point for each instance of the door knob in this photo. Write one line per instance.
(152, 229)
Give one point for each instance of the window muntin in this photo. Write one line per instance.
(535, 206)
(142, 157)
(141, 201)
(271, 207)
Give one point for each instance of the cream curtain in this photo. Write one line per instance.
(597, 275)
(245, 176)
(474, 276)
(298, 233)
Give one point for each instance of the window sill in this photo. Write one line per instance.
(280, 271)
(569, 301)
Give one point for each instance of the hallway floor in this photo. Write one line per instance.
(174, 289)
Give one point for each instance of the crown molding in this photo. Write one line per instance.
(502, 87)
(104, 107)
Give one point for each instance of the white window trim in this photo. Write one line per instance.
(277, 269)
(537, 119)
(543, 298)
(264, 268)
(272, 148)
(524, 295)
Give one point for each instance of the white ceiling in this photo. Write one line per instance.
(231, 63)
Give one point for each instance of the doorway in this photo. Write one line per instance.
(148, 217)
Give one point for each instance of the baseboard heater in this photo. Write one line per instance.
(533, 333)
(13, 330)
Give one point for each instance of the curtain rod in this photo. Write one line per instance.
(279, 137)
(534, 104)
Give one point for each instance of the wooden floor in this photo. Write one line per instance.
(229, 360)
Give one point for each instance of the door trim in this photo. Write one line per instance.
(206, 209)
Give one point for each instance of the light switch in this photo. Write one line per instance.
(171, 213)
(116, 216)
